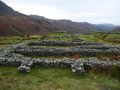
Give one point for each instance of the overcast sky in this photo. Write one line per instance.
(93, 11)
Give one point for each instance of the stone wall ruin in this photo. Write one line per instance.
(15, 56)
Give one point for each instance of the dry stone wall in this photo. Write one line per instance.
(61, 43)
(84, 51)
(14, 56)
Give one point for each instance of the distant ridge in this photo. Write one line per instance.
(75, 27)
(13, 23)
(117, 30)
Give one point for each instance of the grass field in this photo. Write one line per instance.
(8, 41)
(54, 79)
(58, 78)
(113, 39)
(107, 38)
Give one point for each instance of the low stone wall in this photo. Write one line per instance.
(103, 47)
(10, 57)
(25, 64)
(68, 51)
(61, 43)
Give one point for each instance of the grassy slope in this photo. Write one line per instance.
(54, 79)
(95, 37)
(8, 41)
(113, 39)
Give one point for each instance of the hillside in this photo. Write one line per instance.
(13, 23)
(117, 30)
(6, 10)
(75, 27)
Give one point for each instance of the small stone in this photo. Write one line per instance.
(24, 69)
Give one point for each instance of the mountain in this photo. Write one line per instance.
(14, 26)
(106, 27)
(75, 27)
(6, 10)
(116, 30)
(13, 23)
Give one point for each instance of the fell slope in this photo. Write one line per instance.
(117, 30)
(75, 27)
(17, 25)
(13, 23)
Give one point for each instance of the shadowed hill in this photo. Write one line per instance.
(6, 10)
(117, 30)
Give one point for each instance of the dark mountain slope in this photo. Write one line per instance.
(117, 30)
(17, 25)
(13, 23)
(6, 10)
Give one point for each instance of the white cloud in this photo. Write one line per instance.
(50, 11)
(47, 11)
(93, 11)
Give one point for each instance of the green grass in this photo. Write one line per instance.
(115, 38)
(54, 79)
(102, 38)
(58, 36)
(90, 38)
(7, 41)
(58, 39)
(96, 37)
(58, 33)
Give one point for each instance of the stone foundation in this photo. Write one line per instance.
(14, 56)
